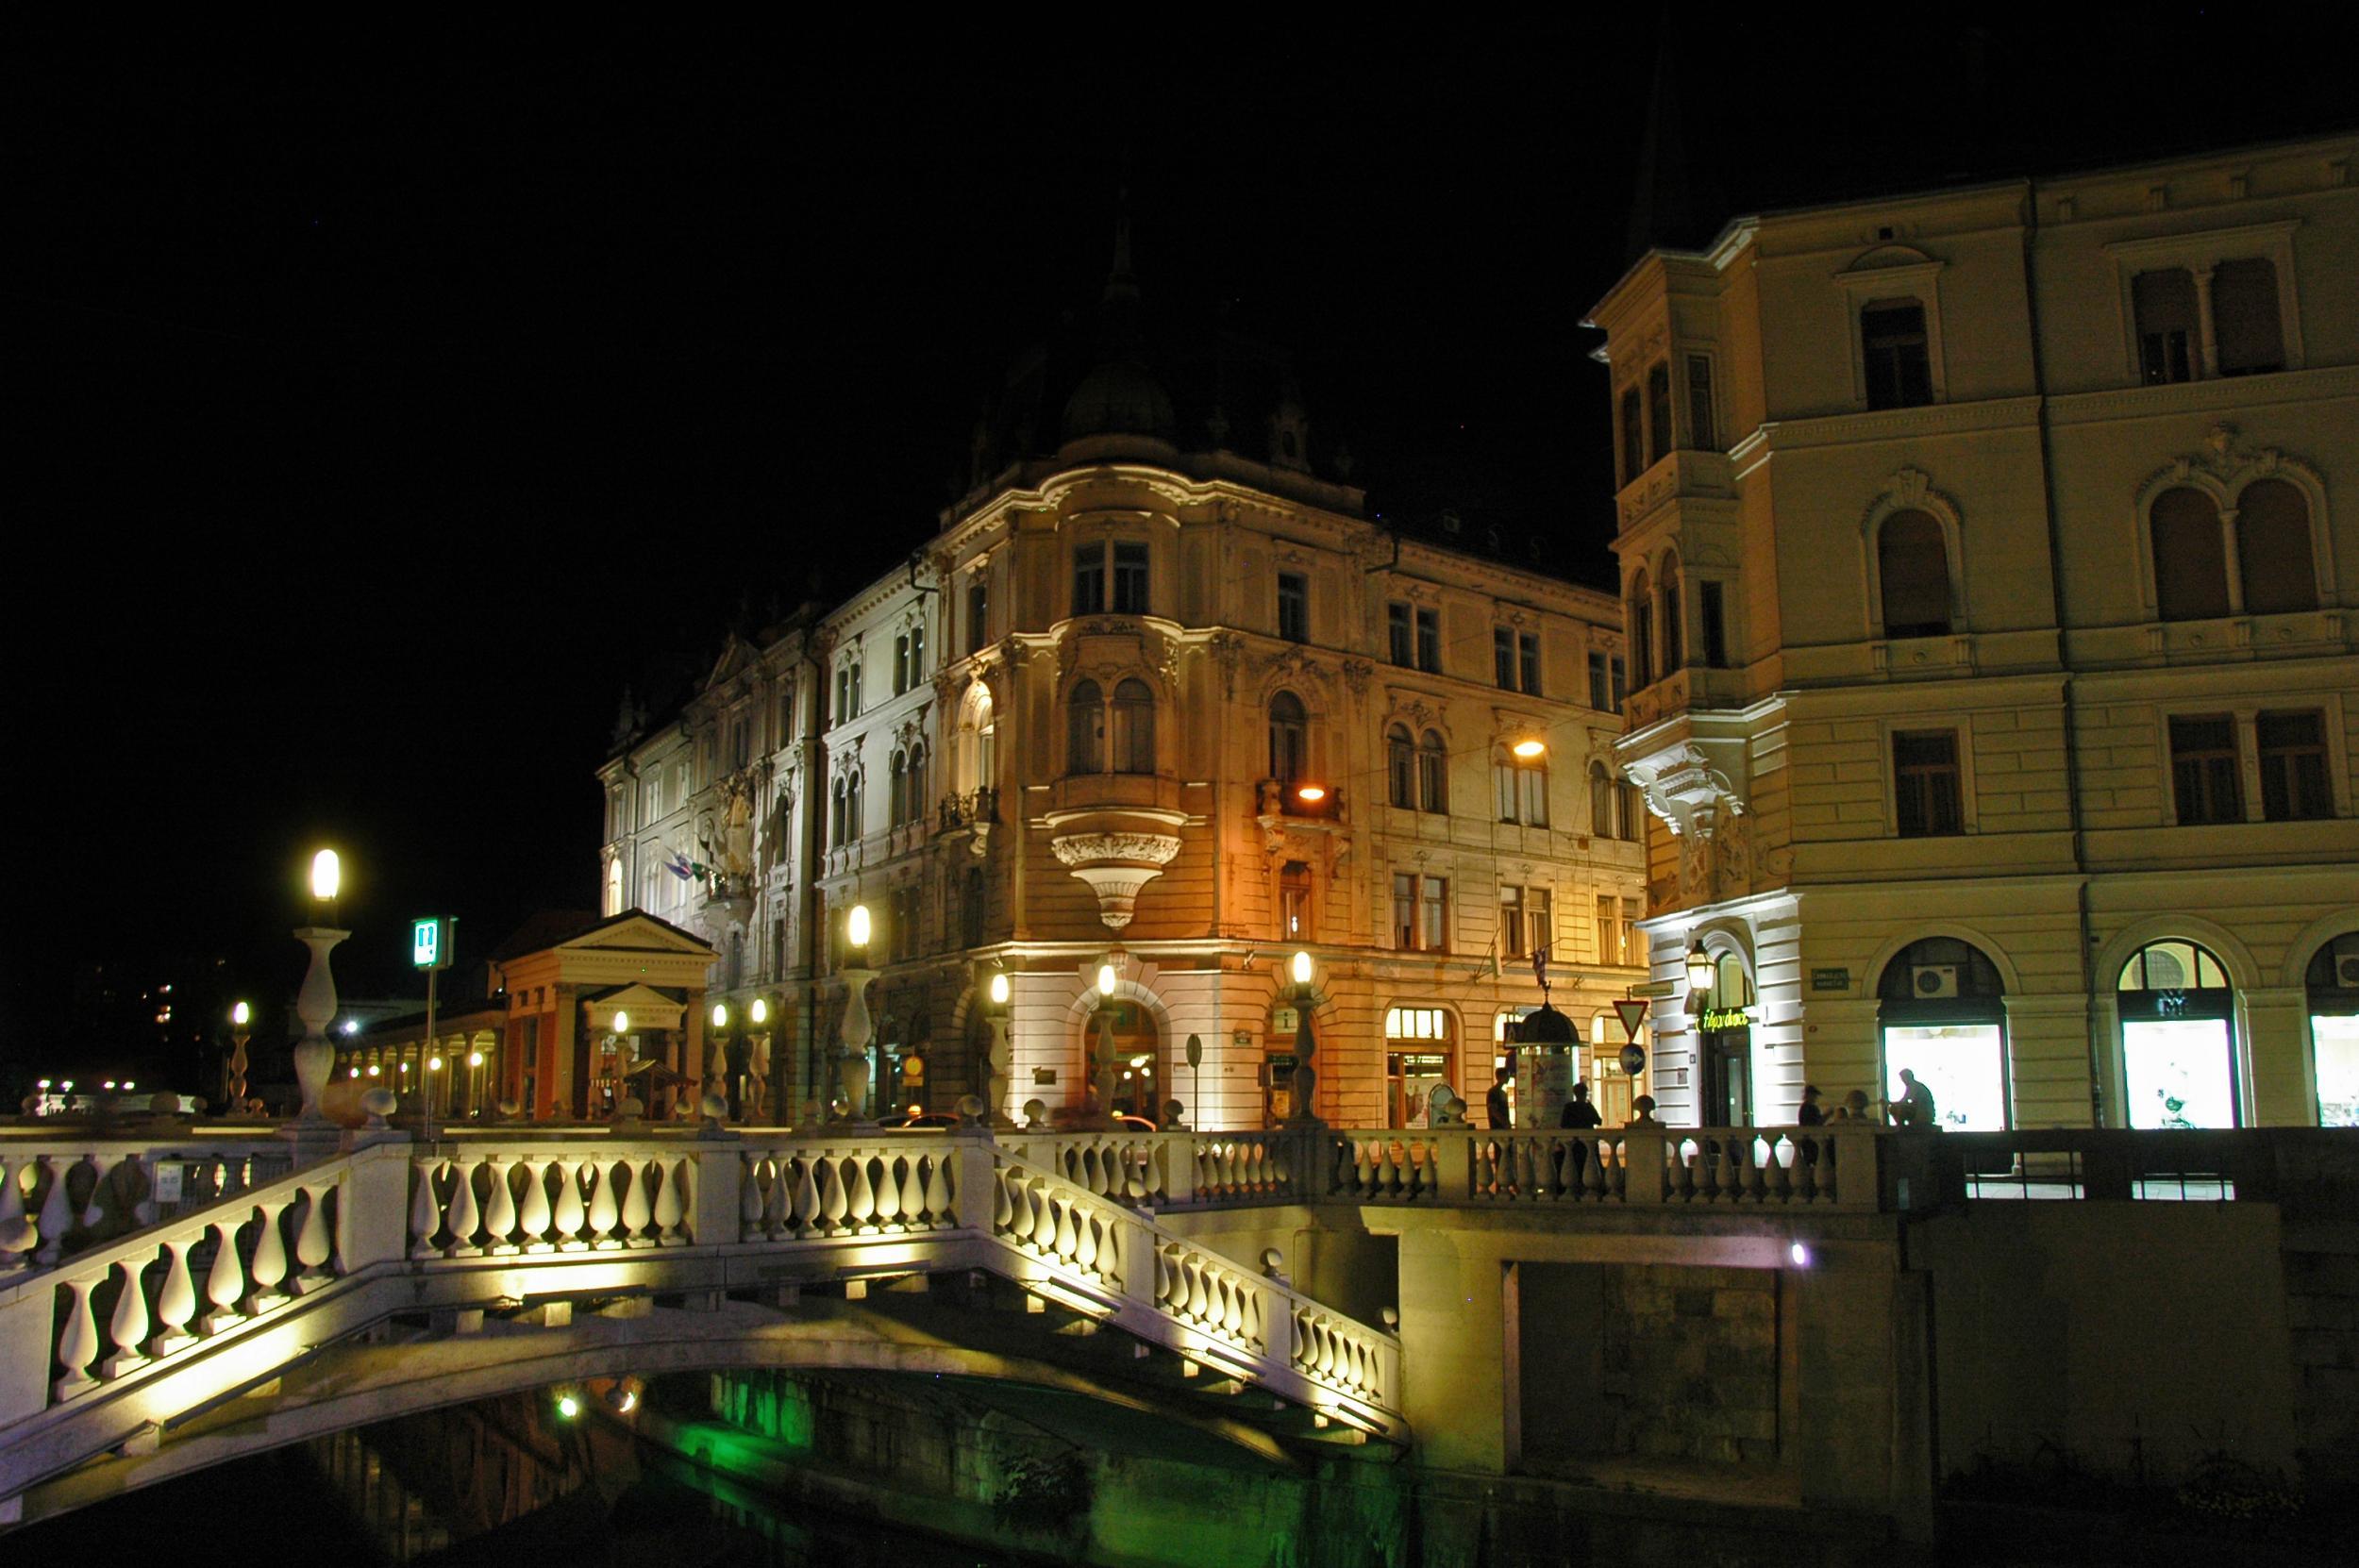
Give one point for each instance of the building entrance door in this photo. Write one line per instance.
(1728, 1078)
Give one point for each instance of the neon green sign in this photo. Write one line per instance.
(431, 942)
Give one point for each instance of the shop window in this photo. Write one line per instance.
(2293, 766)
(2273, 549)
(2332, 983)
(1912, 575)
(2191, 562)
(1419, 1058)
(1942, 1011)
(2204, 771)
(2164, 304)
(2178, 1038)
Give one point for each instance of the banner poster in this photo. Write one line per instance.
(1543, 1081)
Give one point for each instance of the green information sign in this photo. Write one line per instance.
(430, 941)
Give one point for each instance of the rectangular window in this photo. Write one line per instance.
(1899, 362)
(1293, 607)
(1540, 910)
(2293, 766)
(1512, 921)
(1418, 919)
(1621, 682)
(1633, 945)
(1089, 580)
(1609, 918)
(1703, 430)
(917, 655)
(1712, 608)
(1528, 661)
(1293, 902)
(2164, 306)
(1925, 783)
(1396, 623)
(978, 614)
(1658, 412)
(2246, 328)
(1131, 578)
(1404, 911)
(1503, 658)
(900, 665)
(1601, 691)
(1436, 903)
(2203, 781)
(1429, 641)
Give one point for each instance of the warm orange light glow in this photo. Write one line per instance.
(1311, 792)
(1528, 748)
(326, 874)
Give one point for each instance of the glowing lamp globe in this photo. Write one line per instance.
(1302, 968)
(720, 1016)
(856, 925)
(327, 874)
(999, 989)
(622, 1021)
(241, 1014)
(1528, 748)
(760, 1012)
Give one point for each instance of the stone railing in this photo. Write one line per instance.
(65, 1189)
(1162, 1170)
(847, 1187)
(1630, 1166)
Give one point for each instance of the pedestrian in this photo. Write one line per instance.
(1853, 1108)
(1811, 1114)
(1495, 1102)
(1915, 1110)
(1642, 1113)
(1581, 1116)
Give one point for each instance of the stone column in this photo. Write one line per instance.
(562, 1090)
(2279, 1063)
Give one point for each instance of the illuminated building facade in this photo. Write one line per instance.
(1990, 560)
(1157, 695)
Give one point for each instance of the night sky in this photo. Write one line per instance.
(373, 421)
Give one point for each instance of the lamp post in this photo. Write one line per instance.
(857, 1027)
(996, 1060)
(315, 1004)
(717, 1053)
(758, 1060)
(1306, 1043)
(233, 1081)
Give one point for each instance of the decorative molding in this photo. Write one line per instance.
(1116, 865)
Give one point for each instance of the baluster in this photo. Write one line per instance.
(17, 1235)
(1250, 1318)
(1109, 1259)
(888, 1194)
(810, 1207)
(128, 1328)
(862, 1194)
(1163, 1278)
(224, 1284)
(1067, 1242)
(777, 1208)
(938, 1191)
(1775, 1176)
(1731, 1170)
(1002, 1203)
(749, 1204)
(532, 1218)
(834, 1202)
(95, 1210)
(1593, 1181)
(176, 1302)
(56, 1217)
(499, 1208)
(1200, 1289)
(671, 1204)
(1155, 1175)
(270, 1257)
(1324, 1358)
(314, 1244)
(1091, 1178)
(913, 1193)
(1232, 1305)
(1044, 1231)
(571, 1212)
(464, 1216)
(1085, 1244)
(426, 1212)
(78, 1343)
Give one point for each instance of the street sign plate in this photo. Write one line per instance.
(1633, 1012)
(430, 941)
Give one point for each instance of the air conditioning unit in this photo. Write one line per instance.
(1932, 980)
(2346, 971)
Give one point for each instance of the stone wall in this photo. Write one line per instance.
(1690, 1363)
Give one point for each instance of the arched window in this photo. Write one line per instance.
(1674, 642)
(1633, 437)
(1942, 1009)
(1641, 633)
(1289, 738)
(1658, 412)
(614, 887)
(1132, 728)
(1400, 767)
(2273, 549)
(2332, 984)
(1600, 802)
(1432, 774)
(1085, 725)
(897, 791)
(916, 790)
(2190, 563)
(1912, 575)
(2178, 1038)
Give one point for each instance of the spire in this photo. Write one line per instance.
(1659, 207)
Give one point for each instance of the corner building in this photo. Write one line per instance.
(1161, 696)
(1991, 561)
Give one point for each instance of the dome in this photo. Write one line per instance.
(1547, 1026)
(1119, 398)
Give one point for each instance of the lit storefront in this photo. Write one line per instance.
(2332, 983)
(1942, 1015)
(2177, 1039)
(1419, 1058)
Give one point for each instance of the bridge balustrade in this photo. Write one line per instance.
(65, 1187)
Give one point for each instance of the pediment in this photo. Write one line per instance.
(637, 932)
(736, 655)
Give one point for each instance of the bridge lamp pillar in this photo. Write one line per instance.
(315, 1004)
(859, 1028)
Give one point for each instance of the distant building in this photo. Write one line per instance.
(1157, 693)
(1991, 565)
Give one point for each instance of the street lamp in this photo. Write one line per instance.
(315, 1004)
(233, 1082)
(1306, 1041)
(852, 1069)
(995, 1057)
(1530, 747)
(1698, 968)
